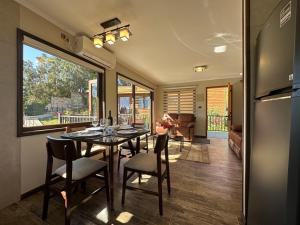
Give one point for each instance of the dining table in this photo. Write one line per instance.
(93, 136)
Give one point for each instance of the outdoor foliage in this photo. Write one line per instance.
(51, 76)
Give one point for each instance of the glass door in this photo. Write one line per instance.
(143, 106)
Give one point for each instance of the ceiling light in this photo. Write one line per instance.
(220, 49)
(200, 68)
(110, 38)
(98, 42)
(113, 34)
(124, 34)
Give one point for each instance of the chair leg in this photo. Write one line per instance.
(124, 185)
(168, 180)
(160, 195)
(67, 198)
(140, 178)
(106, 184)
(104, 155)
(45, 203)
(119, 159)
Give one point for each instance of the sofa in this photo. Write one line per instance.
(184, 124)
(235, 140)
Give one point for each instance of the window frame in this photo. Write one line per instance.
(134, 84)
(27, 131)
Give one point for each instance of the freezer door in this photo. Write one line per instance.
(269, 162)
(275, 50)
(294, 165)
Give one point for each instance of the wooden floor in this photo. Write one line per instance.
(204, 194)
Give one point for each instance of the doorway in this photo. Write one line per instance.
(218, 111)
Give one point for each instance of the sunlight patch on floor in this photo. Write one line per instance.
(103, 215)
(145, 178)
(124, 217)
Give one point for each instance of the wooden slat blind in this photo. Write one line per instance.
(179, 101)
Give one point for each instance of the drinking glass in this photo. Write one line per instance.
(101, 122)
(95, 122)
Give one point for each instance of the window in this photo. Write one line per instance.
(134, 102)
(180, 101)
(56, 89)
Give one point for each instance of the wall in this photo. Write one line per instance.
(23, 160)
(237, 103)
(201, 86)
(9, 143)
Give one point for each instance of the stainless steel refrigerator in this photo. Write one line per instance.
(275, 153)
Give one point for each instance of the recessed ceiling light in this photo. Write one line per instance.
(200, 68)
(220, 49)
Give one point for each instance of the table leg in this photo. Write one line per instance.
(138, 144)
(132, 150)
(111, 176)
(78, 148)
(88, 149)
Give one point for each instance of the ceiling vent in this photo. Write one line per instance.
(85, 48)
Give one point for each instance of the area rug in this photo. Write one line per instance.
(200, 140)
(191, 152)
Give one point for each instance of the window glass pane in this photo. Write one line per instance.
(125, 101)
(142, 106)
(56, 91)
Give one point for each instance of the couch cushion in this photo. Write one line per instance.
(186, 117)
(144, 162)
(81, 168)
(174, 116)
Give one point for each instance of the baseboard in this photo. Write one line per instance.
(31, 192)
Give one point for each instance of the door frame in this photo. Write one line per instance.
(206, 103)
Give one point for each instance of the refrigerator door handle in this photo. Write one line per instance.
(277, 98)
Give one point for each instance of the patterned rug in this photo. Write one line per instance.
(192, 152)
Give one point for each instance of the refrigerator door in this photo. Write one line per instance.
(269, 162)
(293, 198)
(275, 50)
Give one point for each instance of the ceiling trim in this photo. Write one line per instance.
(39, 12)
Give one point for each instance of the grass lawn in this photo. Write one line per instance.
(51, 121)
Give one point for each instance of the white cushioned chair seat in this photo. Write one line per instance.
(144, 162)
(125, 145)
(82, 168)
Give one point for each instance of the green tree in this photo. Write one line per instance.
(53, 77)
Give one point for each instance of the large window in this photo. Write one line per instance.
(56, 88)
(134, 102)
(180, 100)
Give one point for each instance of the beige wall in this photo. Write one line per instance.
(200, 100)
(9, 143)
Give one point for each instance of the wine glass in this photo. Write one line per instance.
(101, 123)
(95, 122)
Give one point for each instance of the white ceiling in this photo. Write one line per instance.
(170, 37)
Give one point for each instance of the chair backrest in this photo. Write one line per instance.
(61, 149)
(138, 125)
(161, 143)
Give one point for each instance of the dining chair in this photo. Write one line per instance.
(94, 149)
(126, 151)
(150, 164)
(75, 171)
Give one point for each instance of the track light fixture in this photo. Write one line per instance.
(111, 36)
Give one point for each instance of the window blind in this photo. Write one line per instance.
(180, 101)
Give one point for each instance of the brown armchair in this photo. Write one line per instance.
(184, 124)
